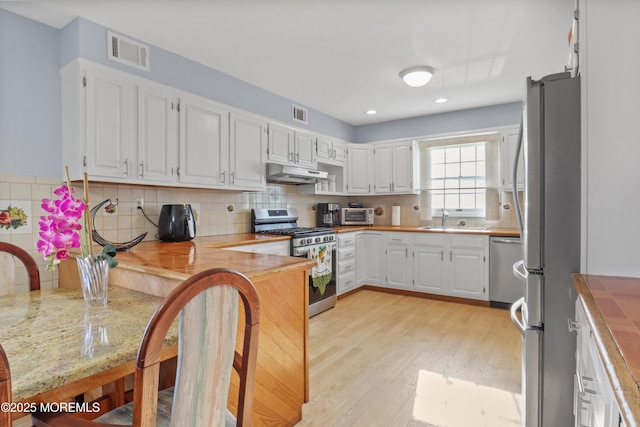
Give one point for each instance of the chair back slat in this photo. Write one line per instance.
(7, 274)
(8, 282)
(208, 326)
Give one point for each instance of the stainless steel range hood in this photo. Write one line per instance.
(285, 174)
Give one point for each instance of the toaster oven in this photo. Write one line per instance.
(356, 216)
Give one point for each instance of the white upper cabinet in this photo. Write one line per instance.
(395, 168)
(99, 110)
(331, 152)
(359, 168)
(247, 154)
(122, 128)
(290, 147)
(157, 133)
(305, 149)
(204, 142)
(383, 166)
(403, 167)
(507, 157)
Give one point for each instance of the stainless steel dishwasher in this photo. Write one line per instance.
(504, 288)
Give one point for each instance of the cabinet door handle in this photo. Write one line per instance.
(142, 169)
(450, 255)
(232, 178)
(298, 157)
(223, 177)
(441, 255)
(126, 167)
(406, 253)
(574, 326)
(290, 157)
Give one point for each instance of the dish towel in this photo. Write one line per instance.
(321, 272)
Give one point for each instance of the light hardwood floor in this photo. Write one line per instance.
(379, 359)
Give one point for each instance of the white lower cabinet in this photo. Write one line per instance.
(346, 262)
(428, 263)
(468, 270)
(270, 248)
(369, 258)
(594, 402)
(398, 260)
(436, 263)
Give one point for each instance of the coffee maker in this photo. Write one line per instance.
(327, 214)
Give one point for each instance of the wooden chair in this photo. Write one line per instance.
(5, 388)
(6, 261)
(207, 305)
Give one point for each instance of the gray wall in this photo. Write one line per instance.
(435, 124)
(30, 124)
(88, 40)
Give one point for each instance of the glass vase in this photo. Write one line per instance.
(94, 278)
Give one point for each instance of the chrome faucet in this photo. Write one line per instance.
(445, 215)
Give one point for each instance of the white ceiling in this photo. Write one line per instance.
(342, 57)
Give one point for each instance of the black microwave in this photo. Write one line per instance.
(356, 216)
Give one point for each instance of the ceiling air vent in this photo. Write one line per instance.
(127, 51)
(299, 114)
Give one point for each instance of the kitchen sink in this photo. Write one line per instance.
(440, 228)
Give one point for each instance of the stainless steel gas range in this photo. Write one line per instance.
(318, 244)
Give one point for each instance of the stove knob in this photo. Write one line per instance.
(308, 241)
(318, 239)
(326, 238)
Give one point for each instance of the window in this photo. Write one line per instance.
(457, 175)
(460, 174)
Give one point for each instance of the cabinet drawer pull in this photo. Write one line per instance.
(348, 267)
(396, 240)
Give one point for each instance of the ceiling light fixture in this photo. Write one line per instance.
(371, 112)
(417, 76)
(440, 100)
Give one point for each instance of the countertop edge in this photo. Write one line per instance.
(625, 388)
(490, 231)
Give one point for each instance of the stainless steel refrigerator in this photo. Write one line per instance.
(549, 221)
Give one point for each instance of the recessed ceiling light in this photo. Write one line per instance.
(371, 112)
(441, 100)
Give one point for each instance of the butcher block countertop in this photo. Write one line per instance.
(612, 305)
(489, 231)
(180, 260)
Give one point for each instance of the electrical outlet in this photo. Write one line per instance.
(140, 203)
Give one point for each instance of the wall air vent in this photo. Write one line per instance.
(127, 51)
(299, 114)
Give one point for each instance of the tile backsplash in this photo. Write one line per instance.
(218, 211)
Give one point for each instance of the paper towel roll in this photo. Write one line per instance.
(395, 215)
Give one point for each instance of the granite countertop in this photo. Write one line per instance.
(612, 305)
(83, 343)
(489, 231)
